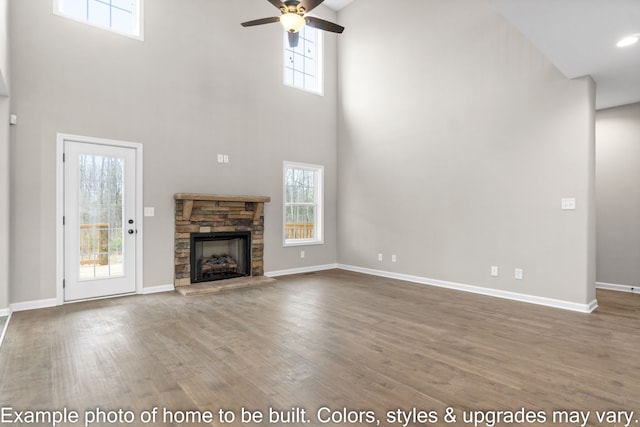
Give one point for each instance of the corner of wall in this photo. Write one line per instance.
(4, 157)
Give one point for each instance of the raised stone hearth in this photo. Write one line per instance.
(223, 285)
(215, 213)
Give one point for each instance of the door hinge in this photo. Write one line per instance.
(63, 220)
(64, 157)
(64, 284)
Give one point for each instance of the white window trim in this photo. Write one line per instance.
(139, 15)
(319, 220)
(319, 64)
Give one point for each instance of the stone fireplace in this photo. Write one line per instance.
(218, 237)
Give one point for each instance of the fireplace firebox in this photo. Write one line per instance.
(219, 256)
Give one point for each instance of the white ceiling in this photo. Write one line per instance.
(336, 4)
(579, 37)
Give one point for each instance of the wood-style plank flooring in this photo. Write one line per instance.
(332, 339)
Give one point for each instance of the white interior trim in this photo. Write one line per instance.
(301, 270)
(157, 289)
(514, 296)
(34, 305)
(619, 288)
(6, 326)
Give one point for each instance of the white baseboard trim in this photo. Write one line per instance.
(33, 305)
(157, 289)
(5, 312)
(301, 270)
(619, 288)
(514, 296)
(4, 330)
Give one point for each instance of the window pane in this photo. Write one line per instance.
(100, 195)
(298, 79)
(126, 5)
(309, 66)
(74, 8)
(300, 222)
(118, 15)
(305, 61)
(288, 76)
(309, 34)
(302, 187)
(122, 20)
(298, 62)
(99, 13)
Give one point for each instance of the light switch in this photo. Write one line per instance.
(568, 204)
(148, 211)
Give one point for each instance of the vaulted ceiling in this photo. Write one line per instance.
(579, 37)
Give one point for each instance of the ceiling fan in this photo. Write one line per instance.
(293, 18)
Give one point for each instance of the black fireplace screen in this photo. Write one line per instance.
(219, 256)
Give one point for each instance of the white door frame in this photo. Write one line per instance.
(61, 138)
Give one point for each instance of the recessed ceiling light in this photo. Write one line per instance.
(628, 40)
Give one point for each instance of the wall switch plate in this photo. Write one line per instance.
(394, 258)
(568, 204)
(13, 119)
(148, 211)
(494, 271)
(225, 158)
(518, 274)
(380, 257)
(301, 254)
(220, 158)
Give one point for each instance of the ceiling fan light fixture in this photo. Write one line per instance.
(628, 40)
(292, 22)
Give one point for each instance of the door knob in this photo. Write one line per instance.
(130, 231)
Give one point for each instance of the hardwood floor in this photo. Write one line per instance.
(333, 339)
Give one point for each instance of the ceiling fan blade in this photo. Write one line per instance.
(276, 3)
(261, 21)
(309, 5)
(321, 24)
(293, 39)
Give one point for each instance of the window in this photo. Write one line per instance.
(303, 64)
(303, 204)
(120, 16)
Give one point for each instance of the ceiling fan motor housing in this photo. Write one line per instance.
(293, 6)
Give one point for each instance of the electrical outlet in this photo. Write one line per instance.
(301, 254)
(394, 258)
(220, 158)
(494, 271)
(225, 158)
(380, 257)
(518, 274)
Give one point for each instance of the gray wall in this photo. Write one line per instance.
(4, 156)
(456, 138)
(457, 141)
(198, 85)
(618, 195)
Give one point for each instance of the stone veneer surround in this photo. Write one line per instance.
(211, 213)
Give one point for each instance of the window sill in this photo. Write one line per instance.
(290, 243)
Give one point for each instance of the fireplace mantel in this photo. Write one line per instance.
(222, 198)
